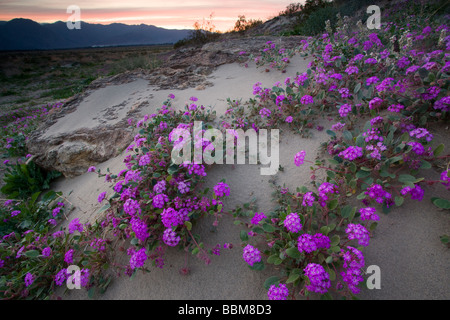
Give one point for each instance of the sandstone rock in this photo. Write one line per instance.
(71, 142)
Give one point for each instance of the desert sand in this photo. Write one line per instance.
(405, 245)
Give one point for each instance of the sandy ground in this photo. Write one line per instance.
(406, 247)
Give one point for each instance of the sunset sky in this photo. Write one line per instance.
(171, 14)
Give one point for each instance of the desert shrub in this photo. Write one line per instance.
(203, 33)
(24, 179)
(315, 22)
(242, 24)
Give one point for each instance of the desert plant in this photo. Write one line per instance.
(24, 179)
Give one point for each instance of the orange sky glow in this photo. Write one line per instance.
(180, 14)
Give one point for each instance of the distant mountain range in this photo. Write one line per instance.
(26, 34)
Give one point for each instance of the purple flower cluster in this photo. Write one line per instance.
(376, 120)
(417, 147)
(416, 193)
(68, 257)
(338, 126)
(29, 279)
(75, 225)
(375, 103)
(431, 93)
(172, 218)
(421, 133)
(306, 99)
(159, 200)
(170, 237)
(138, 258)
(369, 214)
(319, 279)
(131, 207)
(299, 158)
(101, 197)
(442, 104)
(344, 110)
(308, 199)
(160, 186)
(376, 192)
(139, 228)
(47, 252)
(352, 69)
(258, 217)
(264, 112)
(195, 168)
(144, 160)
(222, 190)
(60, 277)
(325, 189)
(99, 244)
(251, 255)
(292, 222)
(351, 153)
(396, 108)
(353, 264)
(385, 85)
(183, 187)
(358, 232)
(310, 243)
(371, 80)
(278, 292)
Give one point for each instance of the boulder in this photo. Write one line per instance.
(89, 129)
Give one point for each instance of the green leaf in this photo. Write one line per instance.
(335, 249)
(335, 240)
(362, 174)
(425, 165)
(332, 204)
(331, 133)
(244, 236)
(105, 207)
(188, 225)
(405, 178)
(331, 273)
(444, 239)
(293, 277)
(346, 211)
(360, 141)
(441, 203)
(333, 161)
(361, 196)
(270, 281)
(91, 293)
(399, 201)
(293, 253)
(272, 258)
(32, 253)
(324, 230)
(268, 227)
(326, 296)
(347, 135)
(357, 87)
(438, 150)
(172, 169)
(258, 266)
